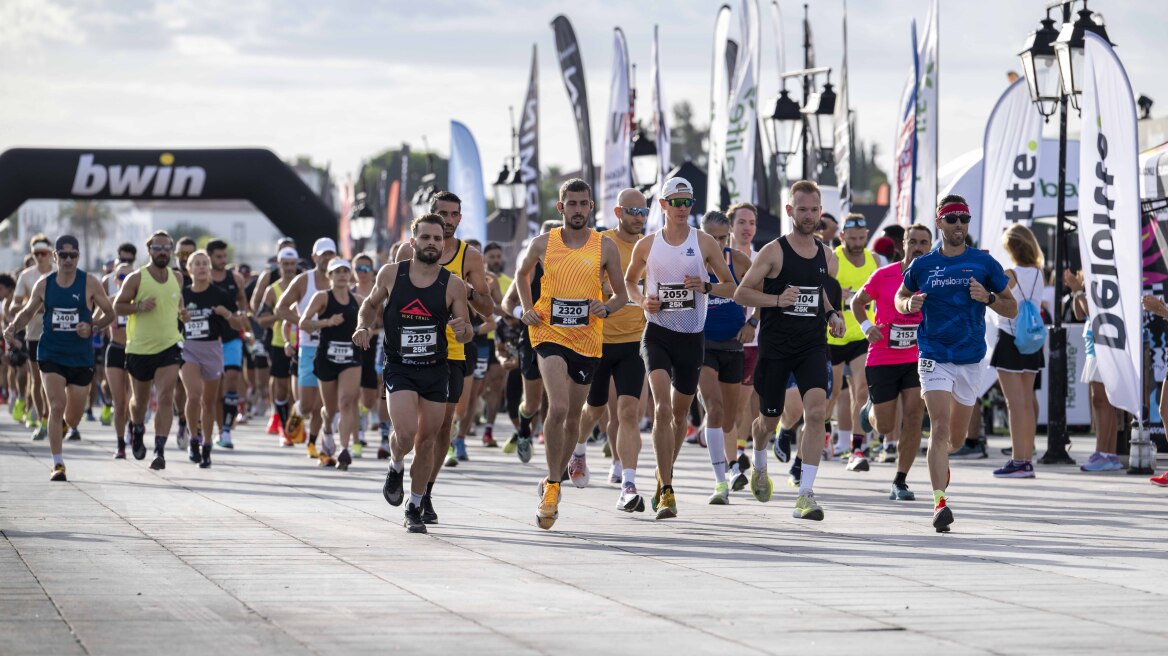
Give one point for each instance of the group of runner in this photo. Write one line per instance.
(592, 324)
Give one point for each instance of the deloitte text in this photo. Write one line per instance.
(133, 181)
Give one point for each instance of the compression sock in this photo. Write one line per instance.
(230, 409)
(807, 478)
(716, 445)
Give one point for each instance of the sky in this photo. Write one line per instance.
(343, 80)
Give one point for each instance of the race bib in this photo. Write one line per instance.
(674, 296)
(902, 336)
(65, 319)
(570, 312)
(197, 328)
(806, 303)
(123, 321)
(925, 366)
(340, 352)
(480, 369)
(419, 341)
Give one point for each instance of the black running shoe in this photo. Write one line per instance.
(158, 463)
(428, 514)
(194, 452)
(344, 460)
(414, 519)
(137, 443)
(942, 517)
(206, 461)
(392, 490)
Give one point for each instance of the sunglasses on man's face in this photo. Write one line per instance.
(364, 268)
(680, 202)
(637, 211)
(161, 248)
(67, 255)
(954, 218)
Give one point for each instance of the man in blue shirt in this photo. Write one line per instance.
(951, 286)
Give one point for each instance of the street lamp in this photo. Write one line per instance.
(1039, 67)
(644, 159)
(518, 187)
(504, 199)
(420, 203)
(820, 104)
(784, 119)
(1069, 49)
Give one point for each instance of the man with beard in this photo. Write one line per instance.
(743, 226)
(467, 264)
(566, 337)
(675, 261)
(42, 250)
(152, 298)
(620, 362)
(892, 360)
(288, 262)
(418, 299)
(856, 265)
(183, 249)
(233, 283)
(787, 280)
(493, 257)
(952, 286)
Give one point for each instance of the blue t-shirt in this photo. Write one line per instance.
(953, 325)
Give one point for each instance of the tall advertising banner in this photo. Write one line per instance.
(661, 129)
(618, 135)
(843, 134)
(927, 164)
(529, 151)
(1010, 167)
(742, 114)
(572, 69)
(904, 162)
(465, 175)
(1109, 223)
(719, 96)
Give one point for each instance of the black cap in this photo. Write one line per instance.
(68, 240)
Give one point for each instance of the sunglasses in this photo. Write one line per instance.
(855, 223)
(41, 253)
(67, 255)
(161, 248)
(364, 268)
(637, 211)
(126, 260)
(954, 218)
(680, 202)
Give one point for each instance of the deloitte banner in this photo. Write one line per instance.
(1109, 223)
(742, 116)
(1010, 167)
(719, 97)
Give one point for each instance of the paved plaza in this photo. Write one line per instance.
(267, 554)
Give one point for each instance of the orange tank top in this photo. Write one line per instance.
(571, 279)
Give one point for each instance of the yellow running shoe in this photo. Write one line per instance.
(667, 507)
(312, 452)
(549, 506)
(58, 473)
(807, 508)
(760, 485)
(18, 411)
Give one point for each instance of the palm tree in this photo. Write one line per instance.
(88, 220)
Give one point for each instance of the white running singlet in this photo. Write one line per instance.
(682, 310)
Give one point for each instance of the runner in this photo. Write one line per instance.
(496, 377)
(892, 358)
(280, 369)
(789, 281)
(42, 250)
(65, 300)
(674, 261)
(566, 340)
(152, 297)
(370, 400)
(620, 364)
(743, 227)
(289, 306)
(850, 352)
(115, 360)
(721, 377)
(418, 300)
(183, 249)
(337, 365)
(208, 322)
(484, 337)
(951, 286)
(231, 282)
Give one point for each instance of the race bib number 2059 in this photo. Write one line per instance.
(675, 296)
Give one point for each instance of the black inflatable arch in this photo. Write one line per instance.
(253, 174)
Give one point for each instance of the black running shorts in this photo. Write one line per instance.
(887, 381)
(431, 383)
(770, 378)
(621, 363)
(581, 369)
(74, 376)
(680, 354)
(728, 364)
(143, 367)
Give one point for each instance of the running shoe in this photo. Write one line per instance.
(224, 440)
(181, 438)
(1015, 469)
(782, 450)
(138, 442)
(629, 500)
(459, 445)
(206, 462)
(721, 495)
(828, 451)
(942, 516)
(18, 411)
(1101, 462)
(739, 481)
(58, 473)
(743, 462)
(857, 462)
(383, 450)
(888, 453)
(1161, 480)
(428, 514)
(393, 490)
(413, 521)
(274, 424)
(843, 448)
(761, 486)
(313, 452)
(656, 493)
(326, 460)
(865, 418)
(795, 475)
(120, 453)
(1008, 451)
(107, 415)
(607, 450)
(74, 435)
(967, 452)
(540, 439)
(511, 443)
(806, 507)
(489, 441)
(900, 492)
(451, 459)
(356, 449)
(523, 449)
(195, 451)
(614, 474)
(549, 506)
(158, 463)
(39, 433)
(286, 443)
(344, 460)
(578, 471)
(667, 506)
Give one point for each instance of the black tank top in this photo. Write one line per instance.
(790, 331)
(228, 285)
(336, 342)
(415, 320)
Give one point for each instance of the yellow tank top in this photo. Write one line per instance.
(853, 278)
(628, 323)
(155, 331)
(454, 348)
(571, 278)
(278, 327)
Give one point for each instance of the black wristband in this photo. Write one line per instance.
(707, 287)
(753, 321)
(992, 299)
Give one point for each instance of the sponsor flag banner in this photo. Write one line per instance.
(529, 150)
(925, 151)
(618, 137)
(661, 128)
(1009, 168)
(1109, 223)
(904, 161)
(572, 69)
(719, 97)
(843, 134)
(466, 181)
(742, 114)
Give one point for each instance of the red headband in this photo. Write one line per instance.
(951, 208)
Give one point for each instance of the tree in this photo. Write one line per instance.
(867, 176)
(88, 220)
(192, 230)
(688, 141)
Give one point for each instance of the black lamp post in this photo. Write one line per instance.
(644, 160)
(1051, 57)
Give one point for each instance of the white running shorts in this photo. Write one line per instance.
(961, 380)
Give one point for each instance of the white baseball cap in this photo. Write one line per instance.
(339, 263)
(676, 186)
(324, 245)
(288, 254)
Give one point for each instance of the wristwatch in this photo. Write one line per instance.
(753, 321)
(992, 299)
(707, 287)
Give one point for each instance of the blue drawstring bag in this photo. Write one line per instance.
(1029, 331)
